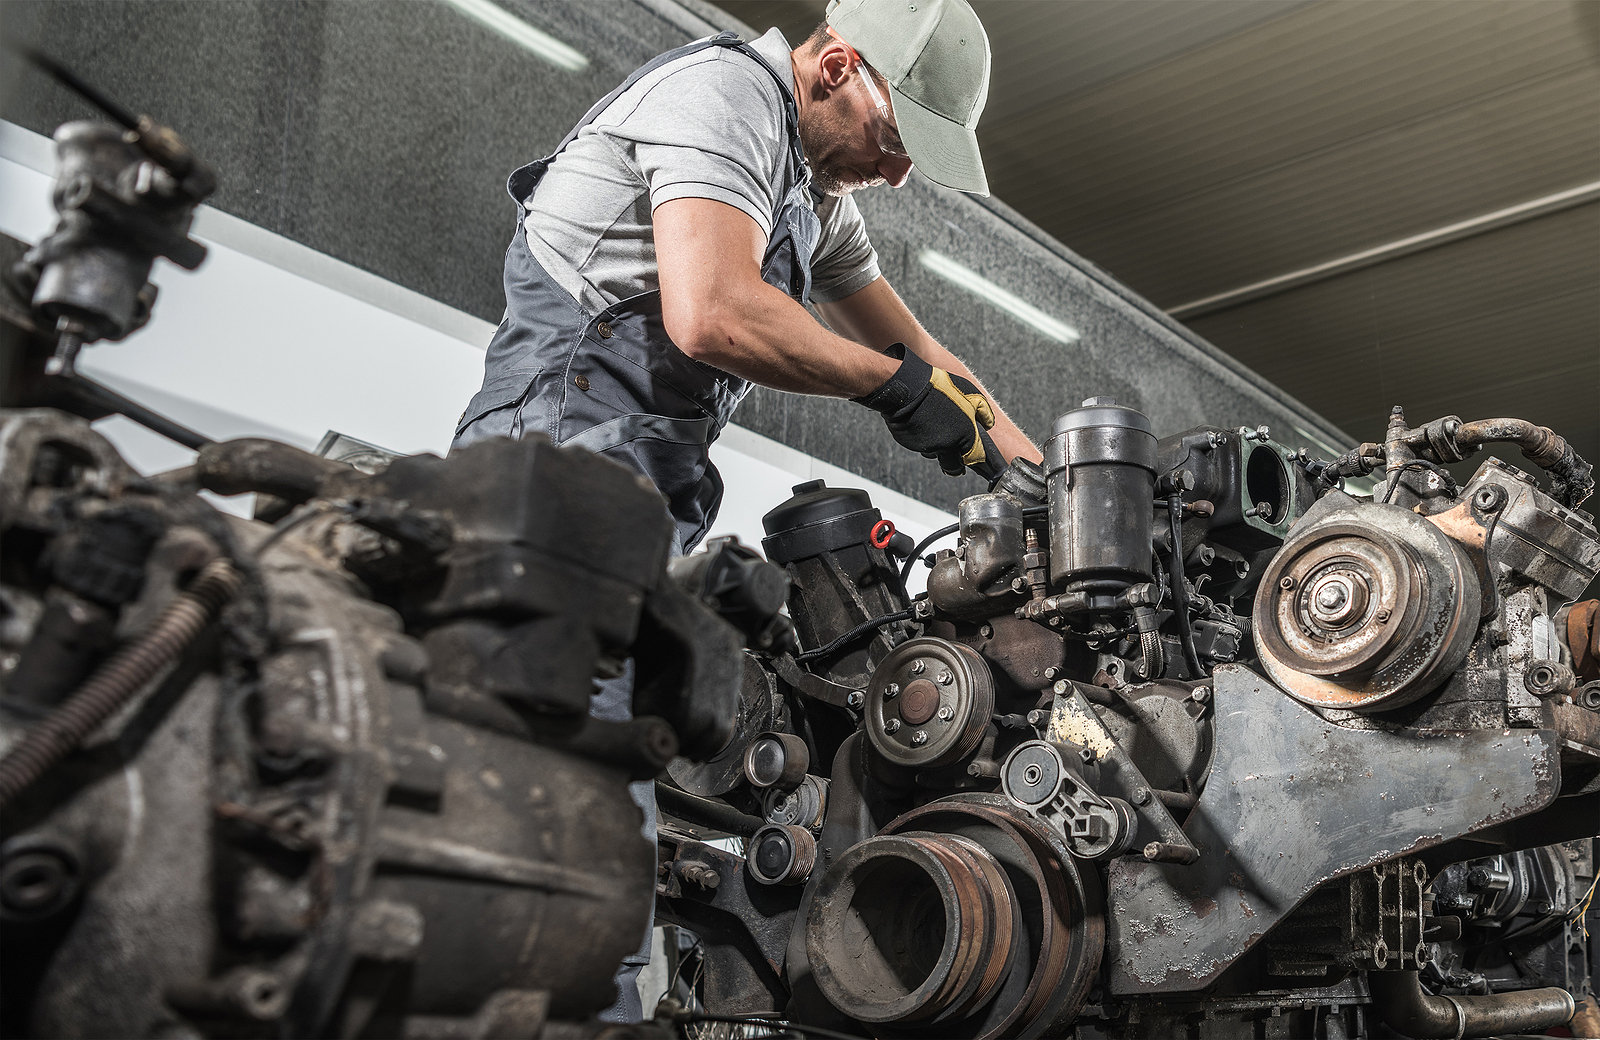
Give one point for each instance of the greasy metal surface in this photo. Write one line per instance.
(1073, 718)
(1537, 538)
(1339, 799)
(737, 910)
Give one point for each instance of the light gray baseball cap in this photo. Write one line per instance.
(935, 55)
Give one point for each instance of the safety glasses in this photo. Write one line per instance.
(889, 141)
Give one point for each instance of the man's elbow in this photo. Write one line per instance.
(706, 333)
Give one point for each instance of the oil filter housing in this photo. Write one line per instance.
(1100, 467)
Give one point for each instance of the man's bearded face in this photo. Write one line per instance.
(841, 145)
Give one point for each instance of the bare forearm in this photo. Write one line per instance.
(760, 334)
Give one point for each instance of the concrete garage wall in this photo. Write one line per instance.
(381, 135)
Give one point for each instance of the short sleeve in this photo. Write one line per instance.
(844, 261)
(711, 130)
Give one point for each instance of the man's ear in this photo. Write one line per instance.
(834, 65)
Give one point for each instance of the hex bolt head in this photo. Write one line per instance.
(1087, 754)
(1286, 583)
(1051, 672)
(944, 677)
(986, 631)
(1141, 796)
(1035, 717)
(892, 691)
(1060, 688)
(891, 726)
(918, 666)
(946, 713)
(857, 698)
(1382, 616)
(919, 738)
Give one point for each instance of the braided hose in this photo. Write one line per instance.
(118, 679)
(1571, 478)
(1144, 619)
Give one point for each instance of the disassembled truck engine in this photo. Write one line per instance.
(1182, 740)
(1180, 732)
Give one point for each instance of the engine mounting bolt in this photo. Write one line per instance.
(946, 713)
(1060, 688)
(1017, 584)
(1035, 717)
(986, 631)
(856, 698)
(1087, 754)
(1286, 583)
(944, 677)
(919, 738)
(918, 666)
(1382, 615)
(1051, 672)
(892, 691)
(891, 726)
(1141, 796)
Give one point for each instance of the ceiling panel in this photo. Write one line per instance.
(1514, 146)
(1195, 146)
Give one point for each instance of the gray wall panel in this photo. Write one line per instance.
(381, 134)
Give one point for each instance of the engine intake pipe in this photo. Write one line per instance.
(1405, 1007)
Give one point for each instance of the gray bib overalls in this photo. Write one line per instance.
(613, 381)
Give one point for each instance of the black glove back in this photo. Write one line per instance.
(940, 415)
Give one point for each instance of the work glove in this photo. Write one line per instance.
(940, 415)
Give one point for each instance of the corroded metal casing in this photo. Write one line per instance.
(1367, 607)
(1100, 466)
(95, 282)
(989, 569)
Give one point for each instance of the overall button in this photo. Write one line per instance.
(604, 328)
(581, 382)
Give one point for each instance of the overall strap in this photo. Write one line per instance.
(522, 181)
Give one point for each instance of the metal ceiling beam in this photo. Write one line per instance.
(1389, 251)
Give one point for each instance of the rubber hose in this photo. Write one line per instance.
(1403, 1005)
(1180, 593)
(118, 679)
(705, 812)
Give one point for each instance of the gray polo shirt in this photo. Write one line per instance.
(707, 126)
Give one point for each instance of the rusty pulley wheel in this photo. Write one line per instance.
(1367, 607)
(928, 703)
(1063, 915)
(1036, 986)
(905, 928)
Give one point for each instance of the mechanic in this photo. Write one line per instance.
(666, 250)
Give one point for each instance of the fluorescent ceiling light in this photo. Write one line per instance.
(985, 290)
(541, 44)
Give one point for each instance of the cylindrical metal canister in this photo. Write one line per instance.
(1100, 467)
